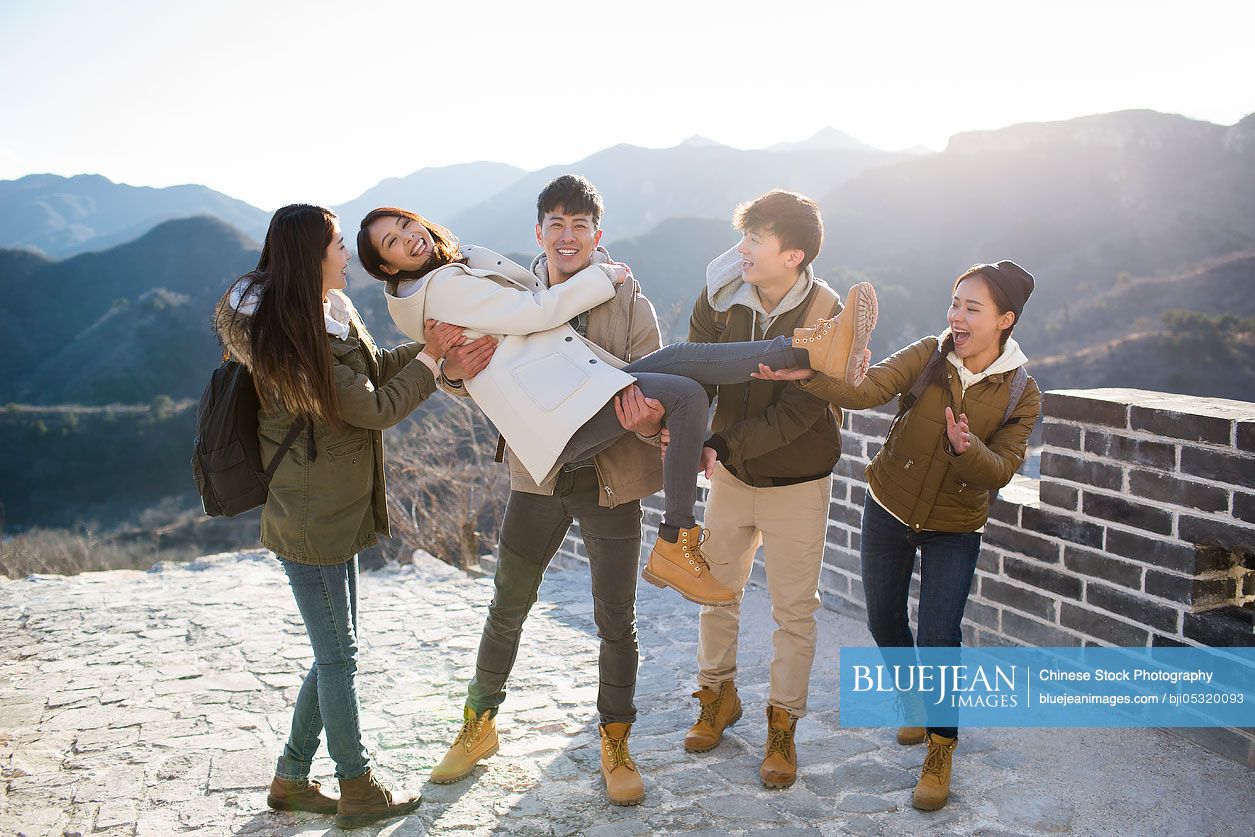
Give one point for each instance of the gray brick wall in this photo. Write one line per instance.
(1140, 530)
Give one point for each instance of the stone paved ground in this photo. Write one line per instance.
(154, 703)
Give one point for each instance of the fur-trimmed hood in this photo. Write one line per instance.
(234, 311)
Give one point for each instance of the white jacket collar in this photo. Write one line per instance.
(1012, 358)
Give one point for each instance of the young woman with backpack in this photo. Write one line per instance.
(966, 410)
(316, 367)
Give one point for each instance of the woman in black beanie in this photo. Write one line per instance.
(966, 409)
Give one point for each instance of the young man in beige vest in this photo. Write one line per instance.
(770, 462)
(602, 493)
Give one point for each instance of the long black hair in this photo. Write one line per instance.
(291, 358)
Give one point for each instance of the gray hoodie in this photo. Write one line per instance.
(725, 287)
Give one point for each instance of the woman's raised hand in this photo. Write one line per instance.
(958, 433)
(440, 337)
(766, 373)
(469, 359)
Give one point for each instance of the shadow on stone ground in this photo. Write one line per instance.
(154, 704)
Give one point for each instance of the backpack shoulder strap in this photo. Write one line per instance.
(288, 441)
(1018, 384)
(907, 400)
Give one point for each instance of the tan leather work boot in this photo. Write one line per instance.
(364, 800)
(933, 789)
(682, 567)
(911, 735)
(623, 781)
(720, 710)
(476, 741)
(287, 795)
(779, 767)
(838, 346)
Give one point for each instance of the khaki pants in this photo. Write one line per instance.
(790, 522)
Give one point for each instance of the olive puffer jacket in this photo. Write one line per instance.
(326, 510)
(915, 475)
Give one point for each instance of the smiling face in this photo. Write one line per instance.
(335, 261)
(764, 263)
(569, 241)
(974, 319)
(403, 243)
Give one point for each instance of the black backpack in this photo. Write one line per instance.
(226, 460)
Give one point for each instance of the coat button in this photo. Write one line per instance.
(569, 339)
(593, 360)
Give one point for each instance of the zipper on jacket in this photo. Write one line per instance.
(603, 482)
(627, 341)
(908, 464)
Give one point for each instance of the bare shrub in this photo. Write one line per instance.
(446, 495)
(65, 552)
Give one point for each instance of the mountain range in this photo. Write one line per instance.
(62, 216)
(1139, 228)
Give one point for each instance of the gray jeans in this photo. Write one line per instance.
(677, 375)
(533, 529)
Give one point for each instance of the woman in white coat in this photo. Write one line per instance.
(549, 390)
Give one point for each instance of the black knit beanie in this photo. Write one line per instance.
(1015, 282)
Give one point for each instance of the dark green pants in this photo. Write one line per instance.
(534, 527)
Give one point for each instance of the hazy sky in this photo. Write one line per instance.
(274, 102)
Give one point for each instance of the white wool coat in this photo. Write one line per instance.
(545, 380)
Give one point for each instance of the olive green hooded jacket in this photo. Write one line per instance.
(326, 509)
(915, 475)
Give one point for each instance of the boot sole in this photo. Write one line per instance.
(929, 807)
(450, 780)
(777, 785)
(718, 740)
(351, 821)
(285, 805)
(866, 308)
(626, 803)
(658, 581)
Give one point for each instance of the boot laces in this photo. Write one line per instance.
(935, 761)
(470, 731)
(778, 740)
(377, 785)
(709, 710)
(617, 753)
(698, 557)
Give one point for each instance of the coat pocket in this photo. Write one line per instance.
(349, 450)
(550, 380)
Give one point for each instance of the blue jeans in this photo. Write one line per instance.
(327, 599)
(947, 564)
